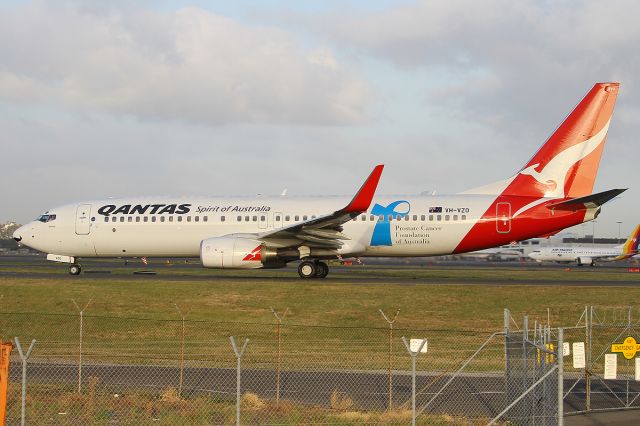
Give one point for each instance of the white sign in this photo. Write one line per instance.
(637, 369)
(414, 345)
(610, 366)
(566, 351)
(578, 355)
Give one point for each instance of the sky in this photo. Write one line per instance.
(108, 99)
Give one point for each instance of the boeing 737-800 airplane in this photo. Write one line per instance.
(583, 255)
(551, 192)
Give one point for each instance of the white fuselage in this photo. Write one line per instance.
(574, 254)
(420, 225)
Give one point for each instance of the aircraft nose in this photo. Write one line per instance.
(17, 234)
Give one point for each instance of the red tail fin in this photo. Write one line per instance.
(567, 164)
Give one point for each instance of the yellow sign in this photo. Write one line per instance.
(628, 348)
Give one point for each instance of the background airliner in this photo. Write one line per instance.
(588, 255)
(551, 192)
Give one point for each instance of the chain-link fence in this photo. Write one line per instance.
(607, 376)
(85, 369)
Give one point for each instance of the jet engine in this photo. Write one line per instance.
(237, 253)
(584, 261)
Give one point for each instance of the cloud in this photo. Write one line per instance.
(189, 65)
(508, 64)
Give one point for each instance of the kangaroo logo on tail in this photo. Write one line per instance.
(554, 173)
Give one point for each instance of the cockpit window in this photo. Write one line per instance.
(46, 218)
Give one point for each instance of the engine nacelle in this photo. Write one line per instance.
(585, 261)
(231, 252)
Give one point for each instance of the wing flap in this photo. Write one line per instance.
(326, 230)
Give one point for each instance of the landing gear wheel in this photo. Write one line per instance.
(307, 269)
(75, 269)
(322, 270)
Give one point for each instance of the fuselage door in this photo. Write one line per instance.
(503, 218)
(83, 219)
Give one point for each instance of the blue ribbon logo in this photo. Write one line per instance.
(382, 231)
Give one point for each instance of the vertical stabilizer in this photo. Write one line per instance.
(567, 163)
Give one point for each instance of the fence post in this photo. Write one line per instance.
(587, 370)
(24, 358)
(238, 369)
(560, 376)
(181, 378)
(390, 367)
(279, 318)
(413, 355)
(80, 345)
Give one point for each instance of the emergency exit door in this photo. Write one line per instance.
(503, 218)
(83, 219)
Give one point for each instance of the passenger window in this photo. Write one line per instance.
(422, 217)
(286, 218)
(390, 218)
(277, 218)
(406, 217)
(179, 218)
(464, 217)
(113, 219)
(439, 217)
(455, 217)
(364, 217)
(415, 217)
(197, 218)
(246, 218)
(130, 219)
(146, 218)
(221, 218)
(188, 218)
(296, 218)
(372, 217)
(153, 218)
(93, 219)
(121, 218)
(137, 218)
(263, 218)
(304, 217)
(446, 217)
(106, 218)
(161, 218)
(205, 218)
(170, 218)
(381, 217)
(255, 218)
(430, 218)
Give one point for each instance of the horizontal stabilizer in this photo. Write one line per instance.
(587, 202)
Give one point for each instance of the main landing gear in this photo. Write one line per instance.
(313, 269)
(74, 269)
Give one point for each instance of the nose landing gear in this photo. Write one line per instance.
(313, 269)
(74, 269)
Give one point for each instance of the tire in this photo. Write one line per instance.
(322, 270)
(307, 269)
(75, 270)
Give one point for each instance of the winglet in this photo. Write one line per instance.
(363, 197)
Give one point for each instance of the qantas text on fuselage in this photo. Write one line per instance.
(551, 192)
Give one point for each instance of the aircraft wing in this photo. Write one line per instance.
(587, 202)
(326, 231)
